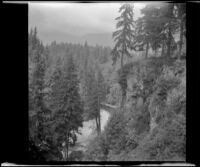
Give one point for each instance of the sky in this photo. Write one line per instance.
(59, 19)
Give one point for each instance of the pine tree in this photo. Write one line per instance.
(148, 29)
(101, 93)
(181, 19)
(124, 36)
(36, 82)
(85, 67)
(96, 92)
(156, 28)
(69, 112)
(167, 16)
(39, 126)
(55, 81)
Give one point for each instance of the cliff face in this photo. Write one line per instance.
(152, 124)
(159, 100)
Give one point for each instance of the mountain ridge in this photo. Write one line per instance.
(93, 39)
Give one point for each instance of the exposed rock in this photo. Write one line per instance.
(153, 124)
(140, 102)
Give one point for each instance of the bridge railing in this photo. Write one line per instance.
(108, 107)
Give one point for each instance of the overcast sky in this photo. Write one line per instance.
(58, 19)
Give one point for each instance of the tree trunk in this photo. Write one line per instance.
(181, 39)
(97, 124)
(169, 47)
(122, 60)
(123, 91)
(67, 145)
(99, 115)
(169, 41)
(123, 85)
(147, 49)
(156, 52)
(99, 121)
(163, 47)
(123, 99)
(122, 102)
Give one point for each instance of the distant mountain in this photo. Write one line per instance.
(103, 39)
(93, 39)
(60, 37)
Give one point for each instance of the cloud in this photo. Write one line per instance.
(74, 18)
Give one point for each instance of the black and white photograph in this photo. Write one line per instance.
(107, 81)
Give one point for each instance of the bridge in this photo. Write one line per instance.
(108, 107)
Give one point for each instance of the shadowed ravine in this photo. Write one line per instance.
(88, 131)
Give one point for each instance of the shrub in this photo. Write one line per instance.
(127, 135)
(163, 143)
(97, 149)
(76, 156)
(166, 142)
(139, 120)
(122, 156)
(176, 98)
(114, 97)
(164, 84)
(115, 131)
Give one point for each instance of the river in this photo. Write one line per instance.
(88, 132)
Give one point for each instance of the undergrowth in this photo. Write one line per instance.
(129, 135)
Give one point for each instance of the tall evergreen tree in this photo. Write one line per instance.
(167, 16)
(55, 81)
(36, 85)
(39, 129)
(156, 28)
(181, 19)
(101, 95)
(124, 35)
(124, 38)
(69, 112)
(96, 92)
(85, 66)
(148, 29)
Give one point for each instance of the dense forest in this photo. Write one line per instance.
(143, 76)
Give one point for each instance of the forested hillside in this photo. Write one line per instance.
(142, 78)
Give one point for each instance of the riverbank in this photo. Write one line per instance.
(88, 132)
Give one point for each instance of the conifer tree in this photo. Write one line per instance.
(68, 117)
(124, 35)
(36, 85)
(101, 94)
(181, 19)
(169, 21)
(96, 91)
(148, 30)
(124, 38)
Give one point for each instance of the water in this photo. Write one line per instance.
(88, 131)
